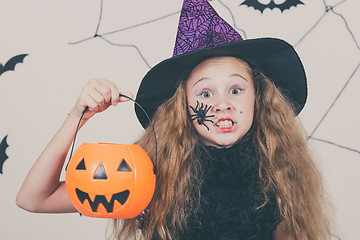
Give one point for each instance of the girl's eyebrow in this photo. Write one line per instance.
(232, 75)
(238, 75)
(201, 79)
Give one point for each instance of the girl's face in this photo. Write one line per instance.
(226, 84)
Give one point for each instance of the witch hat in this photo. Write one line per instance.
(203, 34)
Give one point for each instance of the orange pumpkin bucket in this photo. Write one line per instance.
(107, 180)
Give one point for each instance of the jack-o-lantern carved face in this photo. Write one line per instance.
(110, 180)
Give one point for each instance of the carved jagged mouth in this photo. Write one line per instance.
(121, 197)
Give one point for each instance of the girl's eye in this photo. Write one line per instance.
(206, 94)
(235, 91)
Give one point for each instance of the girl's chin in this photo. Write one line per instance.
(218, 143)
(219, 138)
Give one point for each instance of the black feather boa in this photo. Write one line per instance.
(230, 196)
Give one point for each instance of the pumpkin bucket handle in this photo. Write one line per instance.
(121, 95)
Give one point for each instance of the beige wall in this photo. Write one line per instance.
(36, 97)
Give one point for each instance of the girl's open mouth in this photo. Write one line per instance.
(225, 124)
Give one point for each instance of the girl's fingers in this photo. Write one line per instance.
(105, 89)
(99, 98)
(114, 93)
(88, 101)
(99, 94)
(110, 91)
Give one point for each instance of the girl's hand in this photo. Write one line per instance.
(98, 95)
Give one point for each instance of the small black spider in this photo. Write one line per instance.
(200, 114)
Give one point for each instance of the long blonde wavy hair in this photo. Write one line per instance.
(286, 166)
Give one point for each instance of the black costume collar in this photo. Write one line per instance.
(231, 194)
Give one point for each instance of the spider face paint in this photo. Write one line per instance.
(200, 114)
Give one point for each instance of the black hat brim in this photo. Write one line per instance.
(274, 57)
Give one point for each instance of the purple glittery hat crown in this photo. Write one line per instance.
(201, 27)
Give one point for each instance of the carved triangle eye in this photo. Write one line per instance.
(81, 165)
(124, 167)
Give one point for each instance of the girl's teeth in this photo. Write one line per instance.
(225, 124)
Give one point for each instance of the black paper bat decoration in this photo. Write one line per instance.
(261, 7)
(3, 156)
(10, 65)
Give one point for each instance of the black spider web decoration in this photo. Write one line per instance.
(328, 9)
(103, 35)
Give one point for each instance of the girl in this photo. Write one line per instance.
(232, 161)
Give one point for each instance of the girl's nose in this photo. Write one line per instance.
(222, 105)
